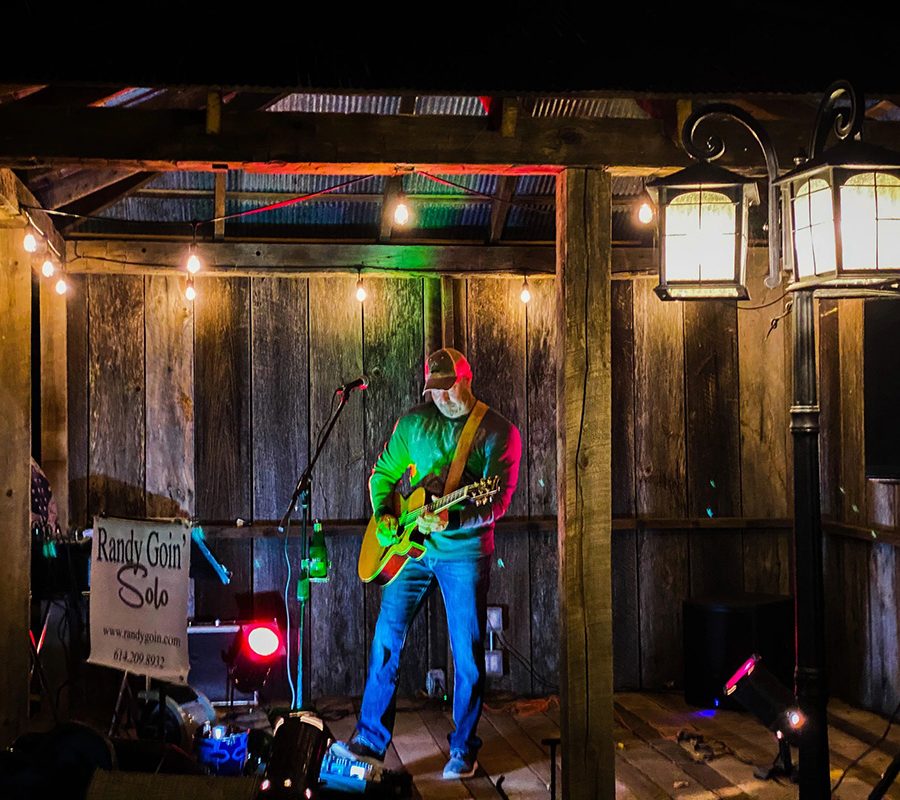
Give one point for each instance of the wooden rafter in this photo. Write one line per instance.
(103, 198)
(67, 188)
(506, 185)
(60, 96)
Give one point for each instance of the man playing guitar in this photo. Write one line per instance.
(459, 546)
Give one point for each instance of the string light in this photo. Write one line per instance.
(61, 286)
(193, 262)
(48, 268)
(361, 293)
(402, 214)
(525, 296)
(645, 213)
(190, 292)
(30, 242)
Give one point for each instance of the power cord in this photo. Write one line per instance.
(868, 750)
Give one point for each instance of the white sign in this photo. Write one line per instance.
(139, 595)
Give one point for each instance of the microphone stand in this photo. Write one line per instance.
(302, 492)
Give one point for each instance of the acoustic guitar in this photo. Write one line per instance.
(382, 564)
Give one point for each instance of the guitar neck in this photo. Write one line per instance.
(434, 507)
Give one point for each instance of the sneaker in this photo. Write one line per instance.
(460, 765)
(354, 750)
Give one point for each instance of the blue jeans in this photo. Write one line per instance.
(464, 586)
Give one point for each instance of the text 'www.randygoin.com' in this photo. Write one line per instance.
(143, 637)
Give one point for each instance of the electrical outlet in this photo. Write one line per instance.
(493, 663)
(495, 618)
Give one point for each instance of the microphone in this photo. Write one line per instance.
(361, 383)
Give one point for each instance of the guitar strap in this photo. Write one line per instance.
(464, 446)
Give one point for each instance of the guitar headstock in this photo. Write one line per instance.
(482, 491)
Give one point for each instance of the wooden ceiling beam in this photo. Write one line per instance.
(127, 257)
(323, 143)
(364, 144)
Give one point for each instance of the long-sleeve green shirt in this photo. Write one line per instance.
(419, 453)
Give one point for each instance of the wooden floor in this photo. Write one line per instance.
(650, 763)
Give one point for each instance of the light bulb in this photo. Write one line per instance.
(360, 291)
(61, 286)
(526, 292)
(401, 213)
(30, 243)
(190, 292)
(645, 213)
(193, 264)
(48, 268)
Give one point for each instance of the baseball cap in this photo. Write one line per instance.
(445, 367)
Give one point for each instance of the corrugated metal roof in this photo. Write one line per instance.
(312, 214)
(131, 97)
(431, 216)
(627, 185)
(417, 183)
(161, 209)
(458, 106)
(567, 107)
(301, 184)
(338, 103)
(536, 184)
(183, 180)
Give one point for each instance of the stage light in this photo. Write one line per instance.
(773, 704)
(361, 293)
(61, 286)
(190, 292)
(257, 648)
(263, 641)
(193, 263)
(48, 268)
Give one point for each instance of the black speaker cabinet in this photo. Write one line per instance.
(720, 634)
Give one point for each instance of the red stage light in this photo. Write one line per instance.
(742, 672)
(257, 648)
(263, 640)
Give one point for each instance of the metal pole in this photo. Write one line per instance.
(812, 691)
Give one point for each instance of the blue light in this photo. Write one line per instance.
(716, 702)
(707, 713)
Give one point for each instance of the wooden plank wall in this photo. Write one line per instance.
(213, 410)
(862, 574)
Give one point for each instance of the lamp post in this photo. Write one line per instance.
(840, 211)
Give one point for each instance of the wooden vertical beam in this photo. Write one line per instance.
(583, 270)
(219, 210)
(392, 187)
(853, 440)
(213, 112)
(500, 206)
(432, 314)
(15, 475)
(448, 312)
(54, 400)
